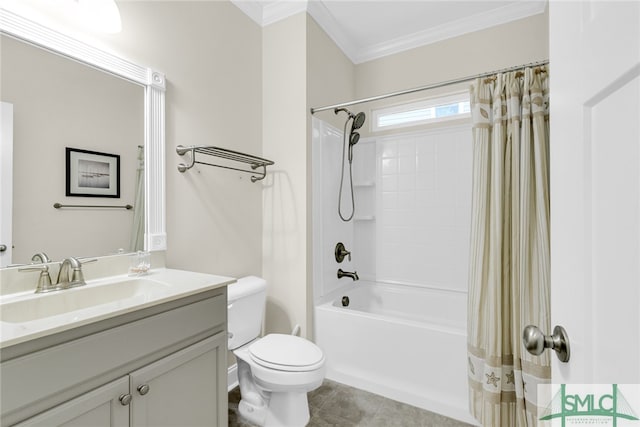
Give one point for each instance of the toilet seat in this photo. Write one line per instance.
(286, 353)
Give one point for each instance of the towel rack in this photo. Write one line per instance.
(233, 156)
(58, 206)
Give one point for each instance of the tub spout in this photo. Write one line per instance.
(353, 275)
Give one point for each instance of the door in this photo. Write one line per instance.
(187, 388)
(6, 182)
(102, 407)
(595, 188)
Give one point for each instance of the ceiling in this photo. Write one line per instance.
(367, 30)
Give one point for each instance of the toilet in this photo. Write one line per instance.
(275, 372)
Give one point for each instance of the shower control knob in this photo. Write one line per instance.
(341, 252)
(535, 341)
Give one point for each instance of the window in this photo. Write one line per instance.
(453, 106)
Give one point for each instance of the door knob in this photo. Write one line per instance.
(535, 341)
(3, 248)
(143, 389)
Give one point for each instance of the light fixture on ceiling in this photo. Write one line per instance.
(101, 15)
(93, 15)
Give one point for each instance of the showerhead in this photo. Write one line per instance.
(358, 119)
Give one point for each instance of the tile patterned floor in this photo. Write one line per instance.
(335, 404)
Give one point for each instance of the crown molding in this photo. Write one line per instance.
(327, 22)
(275, 11)
(450, 30)
(267, 12)
(251, 8)
(271, 11)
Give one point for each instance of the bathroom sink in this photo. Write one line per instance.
(41, 306)
(25, 315)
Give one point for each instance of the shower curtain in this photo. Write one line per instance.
(136, 242)
(509, 252)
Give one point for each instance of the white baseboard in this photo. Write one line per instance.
(232, 377)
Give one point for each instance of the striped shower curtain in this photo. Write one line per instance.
(509, 252)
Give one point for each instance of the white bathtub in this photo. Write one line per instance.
(405, 343)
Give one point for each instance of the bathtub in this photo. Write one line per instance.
(406, 343)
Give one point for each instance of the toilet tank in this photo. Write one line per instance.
(246, 301)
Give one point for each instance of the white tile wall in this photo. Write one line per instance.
(423, 202)
(413, 202)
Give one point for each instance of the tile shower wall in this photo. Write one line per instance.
(413, 215)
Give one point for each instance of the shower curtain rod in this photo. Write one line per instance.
(431, 86)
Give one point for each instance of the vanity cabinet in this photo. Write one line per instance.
(178, 390)
(165, 367)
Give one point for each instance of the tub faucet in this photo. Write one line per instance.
(354, 275)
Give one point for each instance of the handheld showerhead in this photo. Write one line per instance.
(357, 120)
(354, 138)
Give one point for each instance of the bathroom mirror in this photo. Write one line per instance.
(139, 121)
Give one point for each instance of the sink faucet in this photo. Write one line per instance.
(70, 273)
(354, 275)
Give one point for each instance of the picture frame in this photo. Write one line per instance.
(92, 174)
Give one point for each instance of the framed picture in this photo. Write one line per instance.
(92, 174)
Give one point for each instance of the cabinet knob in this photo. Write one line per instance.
(125, 399)
(143, 389)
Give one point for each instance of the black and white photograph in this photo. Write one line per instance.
(92, 174)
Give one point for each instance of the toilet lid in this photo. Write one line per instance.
(287, 353)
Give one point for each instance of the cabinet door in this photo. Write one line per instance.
(98, 408)
(187, 388)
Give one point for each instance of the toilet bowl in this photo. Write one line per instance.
(275, 372)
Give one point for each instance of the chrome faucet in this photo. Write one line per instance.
(70, 274)
(354, 275)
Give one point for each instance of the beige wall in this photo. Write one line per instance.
(211, 54)
(514, 43)
(330, 74)
(302, 67)
(69, 105)
(284, 199)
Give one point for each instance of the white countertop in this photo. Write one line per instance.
(171, 285)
